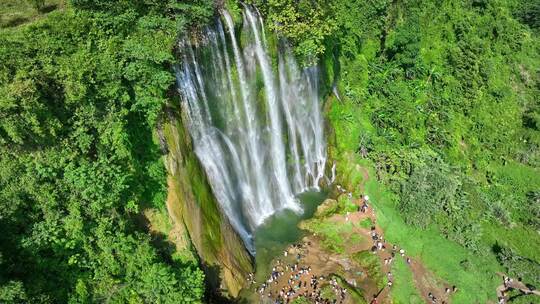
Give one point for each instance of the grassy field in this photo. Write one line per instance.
(403, 290)
(474, 275)
(17, 12)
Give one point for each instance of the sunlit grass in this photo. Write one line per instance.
(403, 290)
(332, 236)
(17, 12)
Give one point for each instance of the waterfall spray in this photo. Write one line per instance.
(259, 145)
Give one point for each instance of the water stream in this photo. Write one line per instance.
(255, 120)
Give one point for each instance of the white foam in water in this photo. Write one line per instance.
(260, 142)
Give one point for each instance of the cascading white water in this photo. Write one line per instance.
(257, 130)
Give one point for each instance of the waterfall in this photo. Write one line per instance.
(257, 127)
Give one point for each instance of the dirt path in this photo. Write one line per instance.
(509, 284)
(308, 270)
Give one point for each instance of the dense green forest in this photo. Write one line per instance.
(440, 98)
(81, 90)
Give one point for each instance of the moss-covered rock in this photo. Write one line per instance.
(192, 204)
(328, 207)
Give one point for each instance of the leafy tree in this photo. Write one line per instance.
(517, 266)
(12, 292)
(447, 91)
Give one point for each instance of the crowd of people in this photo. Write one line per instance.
(301, 282)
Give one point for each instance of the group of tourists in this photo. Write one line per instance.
(301, 282)
(509, 284)
(447, 290)
(309, 287)
(364, 204)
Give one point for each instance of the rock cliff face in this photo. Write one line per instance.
(191, 203)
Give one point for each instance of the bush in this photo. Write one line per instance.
(517, 266)
(431, 189)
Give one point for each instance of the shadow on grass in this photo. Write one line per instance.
(14, 22)
(48, 8)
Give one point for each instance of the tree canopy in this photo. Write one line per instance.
(80, 94)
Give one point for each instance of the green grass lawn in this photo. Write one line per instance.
(18, 12)
(403, 290)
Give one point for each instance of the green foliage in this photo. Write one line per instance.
(517, 266)
(528, 12)
(327, 292)
(300, 300)
(372, 265)
(430, 189)
(333, 236)
(81, 92)
(346, 205)
(441, 97)
(326, 209)
(403, 289)
(366, 223)
(13, 292)
(305, 23)
(473, 273)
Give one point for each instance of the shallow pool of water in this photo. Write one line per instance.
(281, 230)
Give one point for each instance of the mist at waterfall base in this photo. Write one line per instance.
(256, 123)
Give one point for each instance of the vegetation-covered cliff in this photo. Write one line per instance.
(81, 89)
(191, 204)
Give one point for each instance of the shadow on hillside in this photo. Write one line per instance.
(48, 8)
(19, 20)
(213, 286)
(14, 22)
